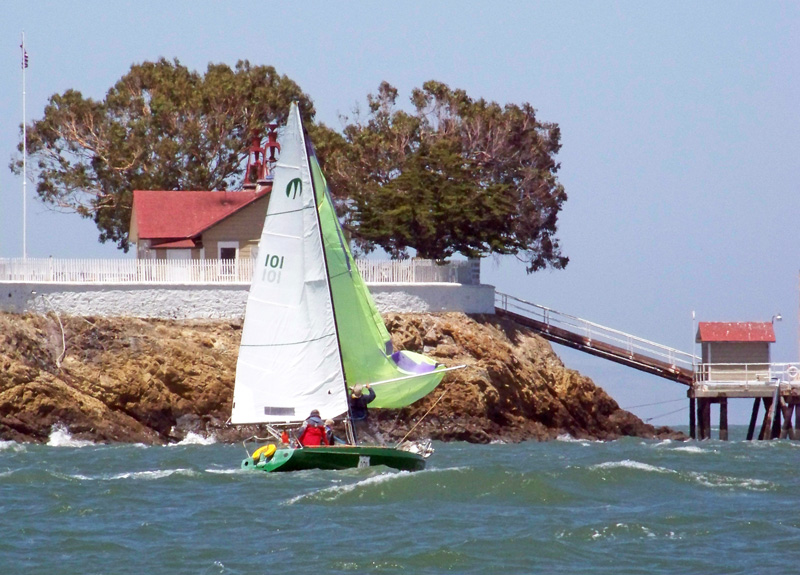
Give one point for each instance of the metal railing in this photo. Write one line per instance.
(105, 271)
(109, 271)
(595, 332)
(751, 373)
(414, 271)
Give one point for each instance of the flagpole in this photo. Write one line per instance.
(24, 154)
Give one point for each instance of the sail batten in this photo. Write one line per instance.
(288, 343)
(275, 215)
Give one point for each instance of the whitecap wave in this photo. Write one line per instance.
(335, 491)
(631, 464)
(11, 446)
(567, 438)
(693, 449)
(728, 482)
(78, 476)
(617, 531)
(135, 475)
(157, 474)
(193, 438)
(61, 437)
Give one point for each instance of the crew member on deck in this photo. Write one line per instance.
(332, 439)
(358, 410)
(312, 433)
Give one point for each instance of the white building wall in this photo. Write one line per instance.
(433, 297)
(218, 301)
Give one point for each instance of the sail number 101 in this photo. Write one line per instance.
(272, 269)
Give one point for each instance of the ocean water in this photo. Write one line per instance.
(628, 506)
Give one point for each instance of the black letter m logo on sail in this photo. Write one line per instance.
(293, 188)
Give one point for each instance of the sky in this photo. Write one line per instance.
(680, 129)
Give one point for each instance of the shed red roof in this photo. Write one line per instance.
(751, 331)
(184, 214)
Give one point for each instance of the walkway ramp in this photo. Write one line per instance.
(595, 339)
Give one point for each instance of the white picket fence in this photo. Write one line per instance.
(105, 271)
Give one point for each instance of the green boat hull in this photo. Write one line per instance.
(339, 457)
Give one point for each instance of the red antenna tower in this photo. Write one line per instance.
(272, 145)
(261, 159)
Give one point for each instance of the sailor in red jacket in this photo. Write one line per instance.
(312, 434)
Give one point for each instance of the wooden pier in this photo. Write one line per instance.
(736, 363)
(776, 386)
(779, 394)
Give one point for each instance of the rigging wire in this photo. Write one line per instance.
(665, 414)
(656, 403)
(421, 418)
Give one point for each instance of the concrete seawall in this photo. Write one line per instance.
(217, 301)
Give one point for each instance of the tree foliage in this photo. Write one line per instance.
(160, 127)
(455, 175)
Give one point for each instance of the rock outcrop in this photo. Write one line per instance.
(153, 381)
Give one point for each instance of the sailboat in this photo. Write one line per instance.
(312, 330)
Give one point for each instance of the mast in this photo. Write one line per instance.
(306, 144)
(24, 65)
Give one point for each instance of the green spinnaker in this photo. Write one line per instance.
(363, 337)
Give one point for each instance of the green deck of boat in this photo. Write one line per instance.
(337, 457)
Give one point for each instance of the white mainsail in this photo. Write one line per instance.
(289, 360)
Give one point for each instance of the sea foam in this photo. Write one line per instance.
(567, 438)
(728, 482)
(694, 449)
(135, 475)
(331, 493)
(11, 446)
(60, 437)
(193, 438)
(630, 464)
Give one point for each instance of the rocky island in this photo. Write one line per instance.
(154, 381)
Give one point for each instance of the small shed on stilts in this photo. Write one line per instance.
(736, 363)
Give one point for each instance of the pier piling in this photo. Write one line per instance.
(753, 419)
(781, 401)
(723, 418)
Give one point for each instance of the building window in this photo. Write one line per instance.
(228, 255)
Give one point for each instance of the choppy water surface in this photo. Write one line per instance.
(628, 506)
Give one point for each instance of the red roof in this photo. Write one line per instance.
(174, 244)
(735, 331)
(182, 214)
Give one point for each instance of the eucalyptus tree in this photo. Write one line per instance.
(454, 175)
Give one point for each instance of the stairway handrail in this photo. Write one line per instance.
(674, 354)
